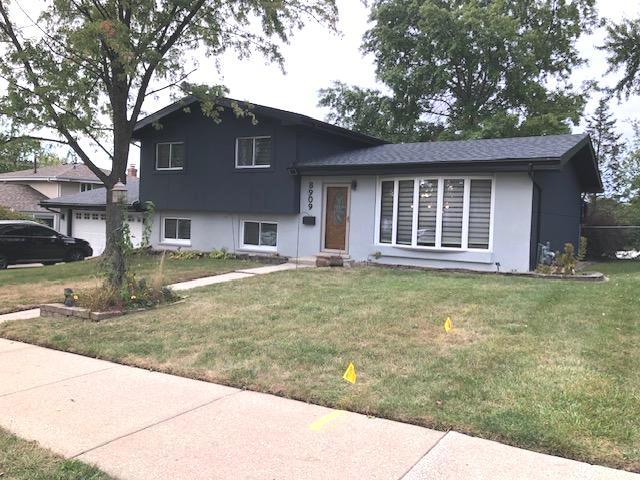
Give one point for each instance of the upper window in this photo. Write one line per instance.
(85, 187)
(170, 156)
(177, 230)
(260, 235)
(253, 152)
(436, 212)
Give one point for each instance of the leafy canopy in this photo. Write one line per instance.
(80, 72)
(609, 148)
(468, 68)
(623, 48)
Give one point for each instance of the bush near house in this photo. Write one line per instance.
(7, 214)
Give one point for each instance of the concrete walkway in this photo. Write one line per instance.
(237, 275)
(136, 424)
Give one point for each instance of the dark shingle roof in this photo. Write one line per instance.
(289, 117)
(21, 198)
(529, 149)
(69, 171)
(94, 198)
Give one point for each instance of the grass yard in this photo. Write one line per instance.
(22, 460)
(545, 365)
(22, 288)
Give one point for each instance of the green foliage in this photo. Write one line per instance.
(623, 48)
(7, 214)
(135, 293)
(147, 223)
(195, 254)
(468, 69)
(563, 264)
(608, 147)
(582, 249)
(80, 74)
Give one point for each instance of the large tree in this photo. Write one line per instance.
(608, 148)
(623, 48)
(79, 73)
(468, 68)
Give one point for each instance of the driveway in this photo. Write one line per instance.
(137, 424)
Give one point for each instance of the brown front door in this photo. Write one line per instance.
(336, 217)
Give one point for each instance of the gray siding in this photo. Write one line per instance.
(512, 222)
(210, 182)
(560, 207)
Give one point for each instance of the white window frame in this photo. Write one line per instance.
(87, 186)
(253, 163)
(176, 241)
(169, 168)
(260, 248)
(465, 215)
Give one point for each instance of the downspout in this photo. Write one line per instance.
(539, 206)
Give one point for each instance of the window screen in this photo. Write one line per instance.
(405, 212)
(452, 209)
(479, 213)
(427, 212)
(386, 212)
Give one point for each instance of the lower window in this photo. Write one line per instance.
(177, 230)
(262, 235)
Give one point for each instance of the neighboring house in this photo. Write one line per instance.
(23, 190)
(298, 187)
(84, 214)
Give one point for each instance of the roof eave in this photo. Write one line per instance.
(493, 165)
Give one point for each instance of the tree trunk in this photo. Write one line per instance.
(113, 256)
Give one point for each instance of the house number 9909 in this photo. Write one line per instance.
(310, 198)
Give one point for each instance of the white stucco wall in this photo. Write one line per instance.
(511, 228)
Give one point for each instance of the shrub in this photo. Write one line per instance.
(582, 249)
(8, 214)
(195, 254)
(564, 262)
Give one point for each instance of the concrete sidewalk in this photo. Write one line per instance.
(136, 424)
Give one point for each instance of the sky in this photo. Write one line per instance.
(316, 57)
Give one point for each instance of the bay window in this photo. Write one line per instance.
(441, 212)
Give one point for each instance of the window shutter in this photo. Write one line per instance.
(452, 211)
(405, 212)
(386, 212)
(479, 213)
(427, 212)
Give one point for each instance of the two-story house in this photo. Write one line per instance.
(22, 191)
(298, 187)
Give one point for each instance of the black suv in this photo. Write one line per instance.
(23, 241)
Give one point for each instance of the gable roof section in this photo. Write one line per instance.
(96, 198)
(506, 154)
(284, 115)
(74, 172)
(21, 198)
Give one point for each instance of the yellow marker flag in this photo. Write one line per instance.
(448, 325)
(350, 373)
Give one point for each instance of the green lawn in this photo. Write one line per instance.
(546, 365)
(23, 288)
(22, 460)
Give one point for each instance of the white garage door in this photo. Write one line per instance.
(90, 226)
